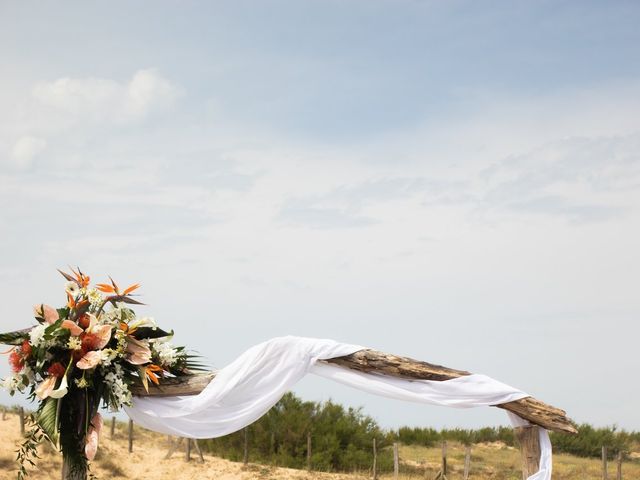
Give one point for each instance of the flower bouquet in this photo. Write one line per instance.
(87, 353)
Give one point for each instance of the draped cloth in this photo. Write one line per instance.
(249, 386)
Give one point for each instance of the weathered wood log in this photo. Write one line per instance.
(371, 361)
(529, 439)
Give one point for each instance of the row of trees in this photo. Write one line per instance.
(342, 438)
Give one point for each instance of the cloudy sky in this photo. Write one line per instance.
(454, 181)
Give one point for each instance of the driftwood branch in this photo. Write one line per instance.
(371, 361)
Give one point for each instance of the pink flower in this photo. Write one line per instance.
(46, 387)
(46, 313)
(97, 337)
(138, 352)
(89, 360)
(73, 327)
(91, 446)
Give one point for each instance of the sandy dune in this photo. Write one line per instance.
(146, 462)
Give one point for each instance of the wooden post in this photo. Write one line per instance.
(375, 460)
(605, 474)
(396, 461)
(130, 435)
(272, 443)
(444, 458)
(619, 469)
(245, 458)
(173, 446)
(467, 462)
(4, 413)
(188, 451)
(195, 444)
(529, 440)
(113, 426)
(309, 450)
(21, 413)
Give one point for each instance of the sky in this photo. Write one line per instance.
(458, 182)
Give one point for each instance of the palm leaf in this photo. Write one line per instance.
(149, 332)
(14, 338)
(46, 418)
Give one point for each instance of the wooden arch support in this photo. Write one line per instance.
(538, 413)
(371, 361)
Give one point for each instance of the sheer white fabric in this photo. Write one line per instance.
(248, 387)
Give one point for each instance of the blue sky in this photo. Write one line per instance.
(454, 181)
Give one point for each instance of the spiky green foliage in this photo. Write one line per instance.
(14, 338)
(47, 418)
(27, 453)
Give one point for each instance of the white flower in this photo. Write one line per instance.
(11, 384)
(72, 289)
(108, 355)
(144, 322)
(166, 353)
(62, 390)
(95, 298)
(81, 383)
(36, 335)
(74, 343)
(119, 390)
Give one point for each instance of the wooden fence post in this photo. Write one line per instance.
(619, 469)
(444, 458)
(605, 475)
(529, 440)
(245, 458)
(130, 435)
(173, 446)
(375, 460)
(467, 462)
(188, 451)
(113, 426)
(396, 461)
(195, 444)
(4, 413)
(21, 412)
(309, 450)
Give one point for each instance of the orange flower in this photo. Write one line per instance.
(16, 361)
(26, 348)
(151, 371)
(113, 288)
(81, 279)
(56, 369)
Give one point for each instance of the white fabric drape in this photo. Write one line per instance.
(248, 387)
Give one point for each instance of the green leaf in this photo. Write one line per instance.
(50, 329)
(14, 338)
(46, 418)
(150, 332)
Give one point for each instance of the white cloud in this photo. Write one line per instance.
(25, 150)
(100, 99)
(148, 91)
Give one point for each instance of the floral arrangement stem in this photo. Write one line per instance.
(91, 351)
(71, 470)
